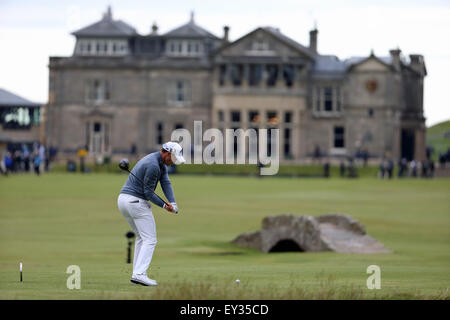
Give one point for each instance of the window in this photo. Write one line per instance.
(328, 98)
(222, 74)
(318, 99)
(159, 133)
(338, 99)
(236, 74)
(339, 137)
(179, 92)
(272, 74)
(98, 91)
(19, 118)
(288, 117)
(287, 142)
(255, 74)
(288, 75)
(253, 117)
(272, 117)
(220, 115)
(260, 45)
(235, 116)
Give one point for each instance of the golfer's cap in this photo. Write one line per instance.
(176, 151)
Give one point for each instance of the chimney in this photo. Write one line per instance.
(395, 55)
(226, 30)
(313, 40)
(154, 29)
(417, 63)
(108, 14)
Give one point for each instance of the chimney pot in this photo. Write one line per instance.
(313, 40)
(226, 30)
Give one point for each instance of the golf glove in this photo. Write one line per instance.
(175, 207)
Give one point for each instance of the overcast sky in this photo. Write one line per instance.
(31, 31)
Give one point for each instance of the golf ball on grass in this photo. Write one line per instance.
(237, 281)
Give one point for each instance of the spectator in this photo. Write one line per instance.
(418, 168)
(82, 152)
(326, 169)
(425, 169)
(365, 156)
(429, 152)
(42, 157)
(413, 168)
(8, 162)
(52, 154)
(402, 167)
(37, 163)
(17, 160)
(2, 165)
(342, 169)
(133, 150)
(26, 157)
(431, 169)
(317, 154)
(351, 169)
(390, 168)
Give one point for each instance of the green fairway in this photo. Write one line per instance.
(56, 220)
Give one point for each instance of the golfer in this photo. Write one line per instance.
(137, 211)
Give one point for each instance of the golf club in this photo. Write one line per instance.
(124, 164)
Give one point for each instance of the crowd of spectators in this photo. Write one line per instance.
(27, 158)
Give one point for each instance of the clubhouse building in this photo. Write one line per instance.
(122, 92)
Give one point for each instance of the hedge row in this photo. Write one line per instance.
(218, 169)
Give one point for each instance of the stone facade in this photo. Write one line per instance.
(110, 97)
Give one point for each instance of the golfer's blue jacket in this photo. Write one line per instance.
(150, 170)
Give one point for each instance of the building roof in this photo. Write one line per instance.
(277, 33)
(190, 30)
(355, 60)
(329, 63)
(10, 99)
(107, 27)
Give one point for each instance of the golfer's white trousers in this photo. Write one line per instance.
(138, 214)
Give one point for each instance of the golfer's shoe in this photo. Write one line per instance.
(143, 280)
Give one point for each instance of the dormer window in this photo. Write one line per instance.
(101, 47)
(184, 48)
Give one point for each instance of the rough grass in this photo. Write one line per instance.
(56, 220)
